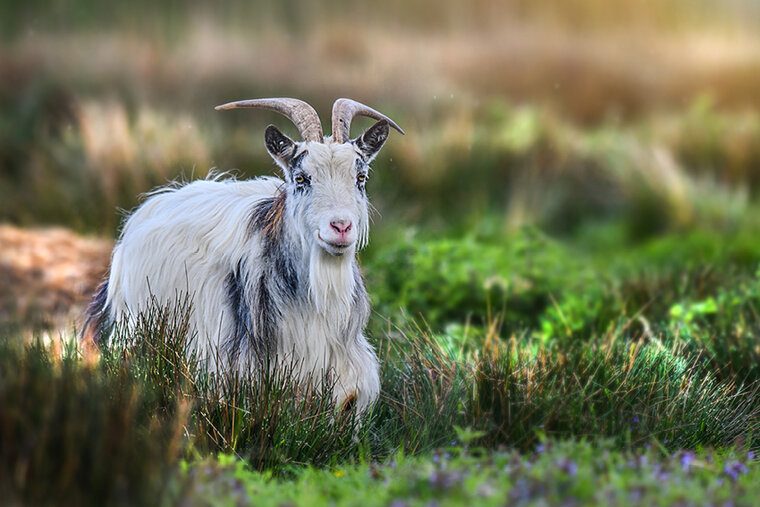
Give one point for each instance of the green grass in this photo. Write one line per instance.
(502, 342)
(70, 434)
(555, 474)
(683, 379)
(411, 447)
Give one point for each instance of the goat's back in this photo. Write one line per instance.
(184, 241)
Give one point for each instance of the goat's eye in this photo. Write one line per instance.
(361, 178)
(300, 179)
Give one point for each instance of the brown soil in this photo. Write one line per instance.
(47, 277)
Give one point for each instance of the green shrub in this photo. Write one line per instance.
(553, 289)
(455, 280)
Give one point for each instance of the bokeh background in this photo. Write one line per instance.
(544, 140)
(566, 248)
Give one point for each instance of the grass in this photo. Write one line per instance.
(555, 474)
(677, 386)
(501, 341)
(631, 124)
(605, 425)
(72, 435)
(656, 174)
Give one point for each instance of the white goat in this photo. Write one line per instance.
(269, 264)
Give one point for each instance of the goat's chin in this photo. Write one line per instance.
(335, 249)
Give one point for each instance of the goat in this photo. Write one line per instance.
(269, 264)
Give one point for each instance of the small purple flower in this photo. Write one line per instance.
(444, 480)
(734, 469)
(659, 473)
(636, 494)
(540, 448)
(687, 458)
(570, 467)
(751, 455)
(521, 491)
(436, 458)
(635, 420)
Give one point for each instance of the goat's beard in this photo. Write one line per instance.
(331, 283)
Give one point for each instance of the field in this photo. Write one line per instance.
(564, 264)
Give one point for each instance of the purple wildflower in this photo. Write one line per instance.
(659, 473)
(734, 469)
(444, 480)
(687, 458)
(568, 466)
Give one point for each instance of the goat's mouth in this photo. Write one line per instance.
(336, 249)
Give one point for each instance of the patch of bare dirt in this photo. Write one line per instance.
(47, 276)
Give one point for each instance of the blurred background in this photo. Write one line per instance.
(562, 131)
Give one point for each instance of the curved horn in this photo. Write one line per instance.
(343, 112)
(299, 112)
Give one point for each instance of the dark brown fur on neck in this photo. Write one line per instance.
(268, 217)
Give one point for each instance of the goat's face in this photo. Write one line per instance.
(325, 186)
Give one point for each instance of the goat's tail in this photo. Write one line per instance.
(96, 322)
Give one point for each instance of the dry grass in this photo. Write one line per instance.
(47, 276)
(588, 73)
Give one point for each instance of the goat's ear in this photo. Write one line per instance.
(370, 142)
(280, 147)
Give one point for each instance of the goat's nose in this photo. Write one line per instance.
(341, 226)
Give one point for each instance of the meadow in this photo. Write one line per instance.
(564, 264)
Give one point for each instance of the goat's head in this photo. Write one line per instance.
(325, 177)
